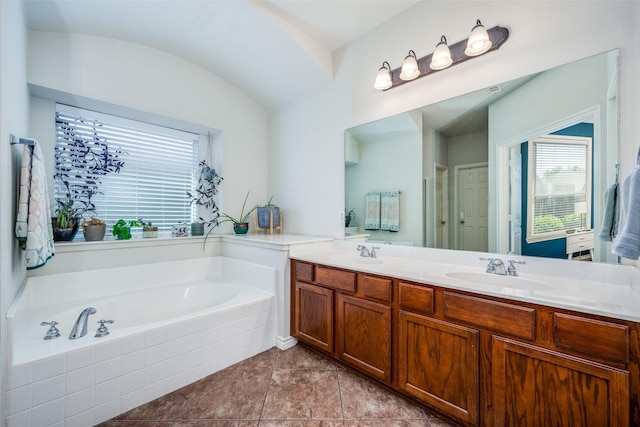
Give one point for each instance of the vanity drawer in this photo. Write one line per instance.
(606, 340)
(498, 316)
(415, 298)
(304, 271)
(376, 288)
(336, 279)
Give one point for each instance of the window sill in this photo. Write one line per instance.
(135, 242)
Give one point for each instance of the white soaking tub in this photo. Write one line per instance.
(174, 323)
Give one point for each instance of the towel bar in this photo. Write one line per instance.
(26, 141)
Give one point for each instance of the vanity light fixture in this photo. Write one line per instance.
(383, 78)
(441, 57)
(410, 69)
(480, 41)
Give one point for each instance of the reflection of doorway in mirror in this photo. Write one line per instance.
(442, 207)
(473, 207)
(515, 198)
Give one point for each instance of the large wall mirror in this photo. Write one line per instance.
(475, 172)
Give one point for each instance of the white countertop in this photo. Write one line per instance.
(602, 289)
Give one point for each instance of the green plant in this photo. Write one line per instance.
(203, 195)
(122, 228)
(144, 223)
(70, 210)
(244, 217)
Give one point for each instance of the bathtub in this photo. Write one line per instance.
(174, 323)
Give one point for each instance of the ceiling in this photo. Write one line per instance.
(273, 50)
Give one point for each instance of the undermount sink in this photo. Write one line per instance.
(355, 259)
(514, 282)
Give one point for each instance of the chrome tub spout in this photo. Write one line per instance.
(80, 327)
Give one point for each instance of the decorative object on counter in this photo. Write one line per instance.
(268, 218)
(241, 223)
(480, 41)
(94, 229)
(179, 230)
(122, 229)
(350, 216)
(148, 229)
(197, 228)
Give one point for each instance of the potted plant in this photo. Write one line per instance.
(148, 229)
(241, 223)
(203, 195)
(122, 229)
(266, 212)
(94, 229)
(68, 214)
(350, 216)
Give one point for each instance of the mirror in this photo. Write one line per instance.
(460, 166)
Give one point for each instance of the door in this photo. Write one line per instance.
(313, 316)
(515, 201)
(442, 207)
(473, 203)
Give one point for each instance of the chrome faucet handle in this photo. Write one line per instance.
(364, 252)
(511, 270)
(491, 268)
(102, 330)
(373, 254)
(53, 332)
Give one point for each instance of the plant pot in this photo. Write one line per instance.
(241, 227)
(94, 233)
(347, 220)
(197, 229)
(150, 231)
(63, 234)
(264, 216)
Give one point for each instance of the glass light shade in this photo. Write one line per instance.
(383, 78)
(441, 57)
(410, 68)
(478, 42)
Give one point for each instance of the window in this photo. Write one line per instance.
(120, 168)
(559, 183)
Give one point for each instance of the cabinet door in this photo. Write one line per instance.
(533, 386)
(438, 364)
(313, 316)
(364, 335)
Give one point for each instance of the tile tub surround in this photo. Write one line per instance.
(597, 288)
(95, 379)
(297, 387)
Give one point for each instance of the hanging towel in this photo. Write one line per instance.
(33, 225)
(390, 210)
(627, 243)
(372, 211)
(609, 228)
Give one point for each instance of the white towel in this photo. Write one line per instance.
(372, 211)
(390, 210)
(627, 243)
(33, 225)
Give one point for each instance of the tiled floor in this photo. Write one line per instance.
(293, 388)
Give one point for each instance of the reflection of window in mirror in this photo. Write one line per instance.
(558, 182)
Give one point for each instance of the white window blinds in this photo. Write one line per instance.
(559, 177)
(129, 169)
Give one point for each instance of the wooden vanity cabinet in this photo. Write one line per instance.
(483, 361)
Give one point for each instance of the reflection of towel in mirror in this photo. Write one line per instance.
(390, 210)
(33, 225)
(627, 242)
(609, 228)
(372, 211)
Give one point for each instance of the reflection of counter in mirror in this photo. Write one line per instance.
(459, 162)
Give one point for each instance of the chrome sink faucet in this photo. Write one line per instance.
(364, 251)
(80, 327)
(496, 266)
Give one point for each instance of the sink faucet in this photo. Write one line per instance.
(495, 266)
(81, 324)
(511, 270)
(364, 251)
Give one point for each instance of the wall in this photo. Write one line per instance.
(14, 107)
(306, 135)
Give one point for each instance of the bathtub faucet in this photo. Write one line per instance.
(80, 327)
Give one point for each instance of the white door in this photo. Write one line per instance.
(442, 208)
(473, 205)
